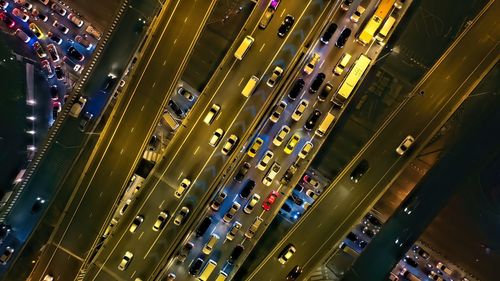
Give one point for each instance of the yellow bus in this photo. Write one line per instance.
(373, 24)
(351, 80)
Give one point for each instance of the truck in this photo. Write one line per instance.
(375, 21)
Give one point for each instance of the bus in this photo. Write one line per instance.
(375, 21)
(351, 80)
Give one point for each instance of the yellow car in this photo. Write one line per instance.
(36, 30)
(290, 146)
(255, 147)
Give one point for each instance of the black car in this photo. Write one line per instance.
(195, 267)
(351, 236)
(328, 33)
(4, 232)
(202, 228)
(296, 199)
(37, 206)
(313, 118)
(242, 172)
(411, 262)
(289, 174)
(325, 92)
(369, 218)
(85, 121)
(54, 93)
(235, 254)
(296, 89)
(317, 82)
(175, 108)
(360, 170)
(247, 189)
(54, 38)
(59, 73)
(362, 243)
(294, 273)
(56, 108)
(286, 208)
(286, 26)
(343, 37)
(421, 252)
(368, 232)
(109, 83)
(75, 54)
(184, 251)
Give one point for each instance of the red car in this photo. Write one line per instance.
(271, 198)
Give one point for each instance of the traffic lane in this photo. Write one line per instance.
(64, 260)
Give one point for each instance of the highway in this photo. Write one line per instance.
(236, 116)
(344, 203)
(124, 138)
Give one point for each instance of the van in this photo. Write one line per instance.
(210, 244)
(244, 47)
(382, 35)
(253, 228)
(325, 124)
(207, 271)
(170, 121)
(250, 86)
(344, 60)
(222, 276)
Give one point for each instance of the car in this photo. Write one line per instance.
(286, 25)
(316, 83)
(181, 216)
(299, 110)
(312, 194)
(83, 41)
(176, 108)
(109, 83)
(56, 108)
(247, 189)
(59, 73)
(78, 68)
(61, 27)
(275, 76)
(296, 89)
(287, 253)
(203, 226)
(368, 232)
(362, 243)
(229, 145)
(235, 254)
(372, 220)
(327, 35)
(289, 174)
(185, 93)
(58, 9)
(184, 251)
(52, 50)
(86, 118)
(231, 212)
(357, 14)
(36, 30)
(308, 146)
(409, 261)
(280, 108)
(399, 4)
(444, 268)
(250, 233)
(346, 4)
(271, 198)
(251, 203)
(344, 35)
(48, 277)
(271, 174)
(37, 206)
(125, 206)
(211, 243)
(433, 275)
(22, 35)
(308, 179)
(127, 258)
(264, 161)
(308, 69)
(75, 20)
(360, 170)
(195, 267)
(233, 231)
(255, 147)
(311, 121)
(136, 223)
(39, 15)
(269, 13)
(405, 145)
(290, 146)
(39, 50)
(4, 4)
(242, 172)
(281, 135)
(7, 20)
(160, 221)
(75, 54)
(185, 184)
(294, 273)
(20, 14)
(170, 277)
(217, 202)
(216, 137)
(47, 68)
(7, 254)
(341, 65)
(56, 39)
(54, 92)
(421, 252)
(212, 113)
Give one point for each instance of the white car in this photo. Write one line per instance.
(216, 137)
(286, 254)
(251, 204)
(271, 174)
(160, 221)
(281, 135)
(233, 231)
(277, 111)
(265, 160)
(182, 187)
(214, 110)
(308, 69)
(299, 110)
(305, 150)
(229, 145)
(125, 261)
(357, 14)
(231, 212)
(181, 216)
(136, 223)
(275, 76)
(405, 145)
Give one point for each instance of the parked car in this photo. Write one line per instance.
(58, 9)
(87, 117)
(308, 69)
(36, 30)
(231, 212)
(20, 14)
(75, 54)
(52, 50)
(357, 14)
(39, 50)
(217, 202)
(299, 110)
(185, 93)
(61, 27)
(271, 198)
(7, 254)
(56, 39)
(252, 151)
(242, 172)
(75, 20)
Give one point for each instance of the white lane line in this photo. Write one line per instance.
(175, 41)
(164, 62)
(261, 48)
(121, 151)
(282, 13)
(161, 205)
(186, 19)
(154, 84)
(132, 130)
(196, 150)
(142, 108)
(139, 238)
(241, 81)
(180, 175)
